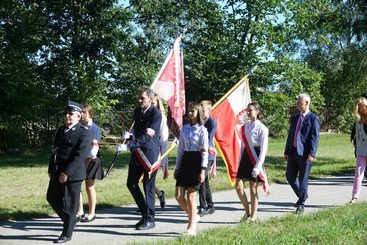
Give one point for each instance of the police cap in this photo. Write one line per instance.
(74, 107)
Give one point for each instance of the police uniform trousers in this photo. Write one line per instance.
(245, 169)
(145, 204)
(188, 175)
(64, 199)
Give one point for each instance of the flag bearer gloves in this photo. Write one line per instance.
(126, 135)
(122, 147)
(255, 172)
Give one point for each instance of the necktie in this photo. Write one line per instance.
(141, 115)
(299, 123)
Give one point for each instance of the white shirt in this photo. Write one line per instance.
(258, 133)
(193, 138)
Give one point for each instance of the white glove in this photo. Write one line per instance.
(122, 147)
(255, 172)
(126, 135)
(242, 118)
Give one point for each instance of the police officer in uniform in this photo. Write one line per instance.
(145, 153)
(66, 170)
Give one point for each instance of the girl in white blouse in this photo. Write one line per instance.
(191, 162)
(251, 167)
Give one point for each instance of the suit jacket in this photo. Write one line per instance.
(211, 126)
(309, 135)
(146, 133)
(70, 149)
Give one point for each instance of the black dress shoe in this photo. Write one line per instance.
(85, 219)
(162, 199)
(210, 210)
(62, 239)
(146, 225)
(202, 212)
(141, 221)
(300, 210)
(79, 217)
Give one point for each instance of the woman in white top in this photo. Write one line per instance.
(361, 146)
(191, 162)
(255, 136)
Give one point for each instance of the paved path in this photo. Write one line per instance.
(116, 226)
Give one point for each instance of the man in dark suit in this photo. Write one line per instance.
(66, 169)
(144, 145)
(300, 150)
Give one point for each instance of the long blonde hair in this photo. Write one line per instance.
(159, 105)
(361, 100)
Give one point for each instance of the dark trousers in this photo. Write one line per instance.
(146, 205)
(205, 194)
(298, 165)
(64, 199)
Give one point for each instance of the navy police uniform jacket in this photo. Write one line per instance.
(70, 149)
(146, 135)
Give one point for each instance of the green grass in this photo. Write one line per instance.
(24, 178)
(342, 225)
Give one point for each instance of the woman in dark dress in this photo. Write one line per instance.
(251, 168)
(191, 162)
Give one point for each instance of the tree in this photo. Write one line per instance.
(224, 39)
(57, 51)
(337, 47)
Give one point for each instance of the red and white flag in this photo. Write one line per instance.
(169, 85)
(227, 137)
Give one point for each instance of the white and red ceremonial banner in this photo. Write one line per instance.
(170, 86)
(227, 111)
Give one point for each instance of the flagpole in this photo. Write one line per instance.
(233, 88)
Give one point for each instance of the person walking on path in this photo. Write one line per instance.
(191, 163)
(206, 204)
(72, 144)
(163, 138)
(300, 149)
(93, 166)
(360, 112)
(251, 168)
(144, 145)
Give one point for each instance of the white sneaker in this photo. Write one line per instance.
(354, 200)
(189, 232)
(251, 219)
(197, 219)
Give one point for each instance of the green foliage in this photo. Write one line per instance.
(53, 52)
(336, 46)
(100, 53)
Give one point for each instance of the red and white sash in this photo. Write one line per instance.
(254, 158)
(148, 166)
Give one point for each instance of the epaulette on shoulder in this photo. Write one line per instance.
(84, 126)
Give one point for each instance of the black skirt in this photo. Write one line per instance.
(245, 169)
(188, 175)
(95, 169)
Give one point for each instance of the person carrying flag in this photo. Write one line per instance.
(144, 145)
